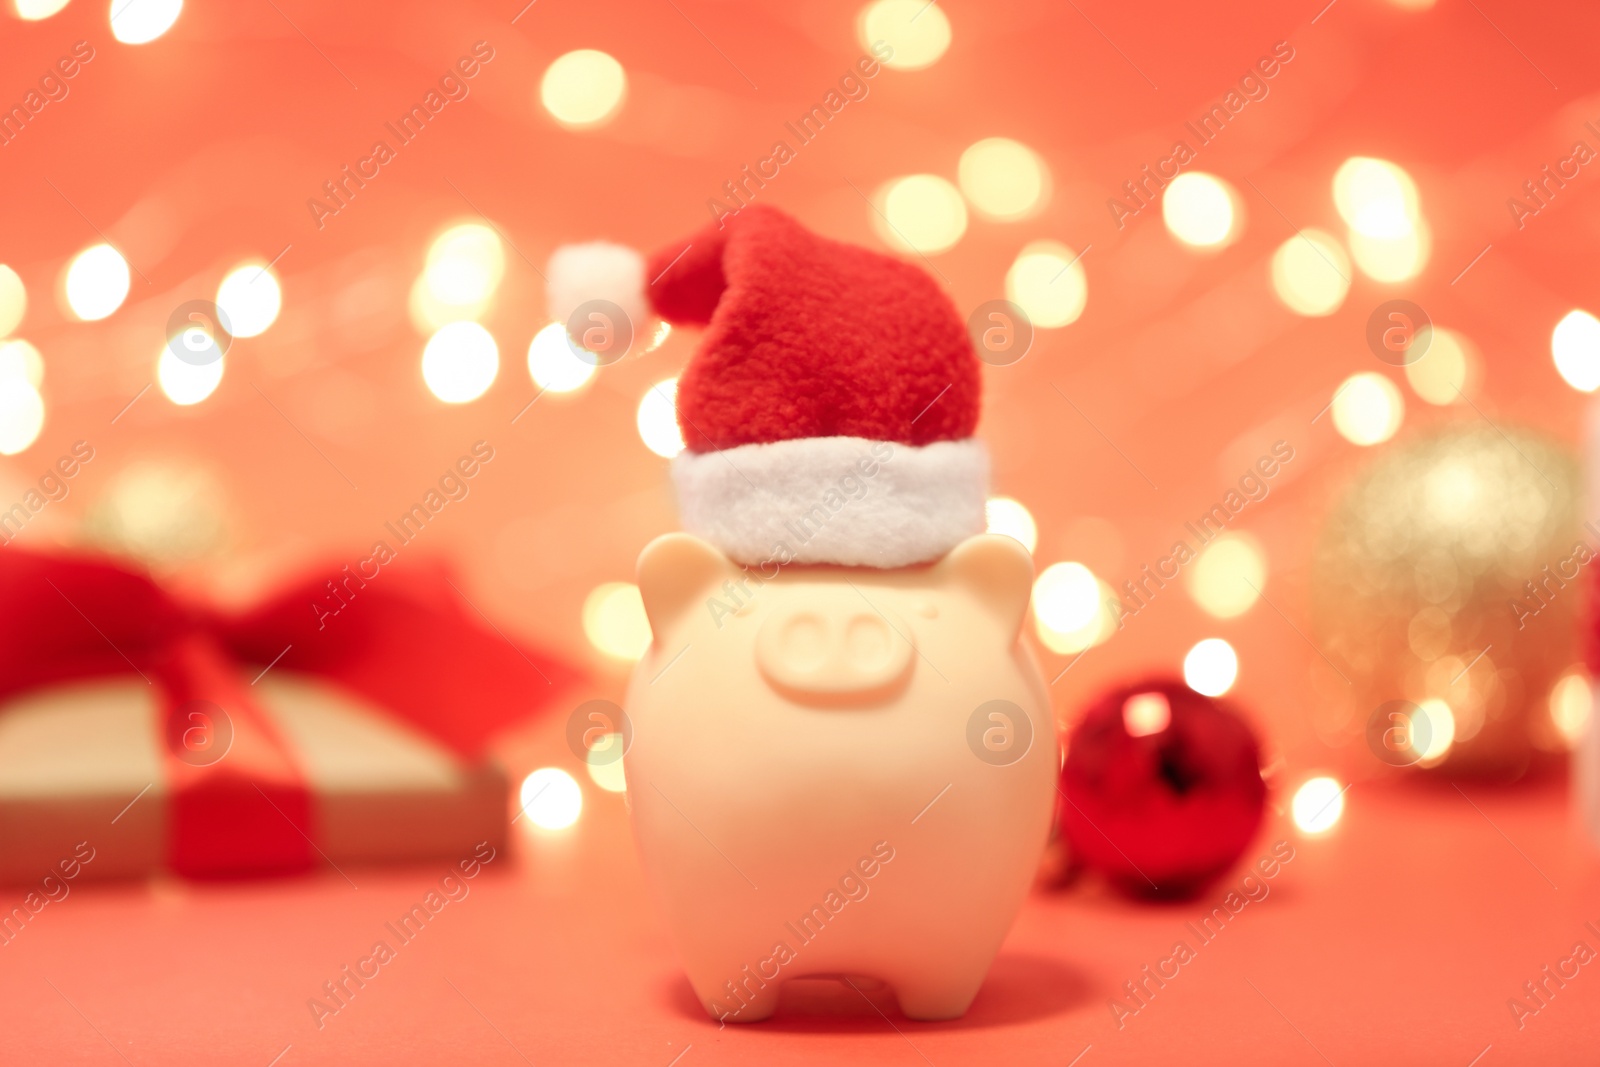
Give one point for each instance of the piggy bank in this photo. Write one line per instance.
(839, 771)
(842, 760)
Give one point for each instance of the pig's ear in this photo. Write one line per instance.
(998, 571)
(675, 572)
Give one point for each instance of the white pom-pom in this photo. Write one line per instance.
(598, 270)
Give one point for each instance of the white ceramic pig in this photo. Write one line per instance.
(822, 782)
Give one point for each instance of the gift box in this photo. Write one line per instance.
(331, 725)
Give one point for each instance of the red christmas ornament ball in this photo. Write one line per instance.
(1162, 788)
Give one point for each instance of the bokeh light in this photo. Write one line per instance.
(615, 622)
(1376, 198)
(1367, 409)
(465, 265)
(551, 798)
(1012, 518)
(1392, 259)
(1571, 706)
(1311, 273)
(917, 30)
(250, 298)
(1201, 209)
(583, 88)
(1097, 629)
(141, 21)
(1069, 612)
(1448, 369)
(1048, 283)
(552, 363)
(1004, 179)
(1066, 596)
(13, 300)
(428, 313)
(183, 382)
(1211, 667)
(460, 362)
(659, 337)
(604, 763)
(31, 10)
(920, 213)
(168, 513)
(97, 282)
(21, 414)
(19, 359)
(1228, 576)
(1318, 805)
(658, 419)
(1440, 730)
(1389, 239)
(1144, 714)
(1575, 345)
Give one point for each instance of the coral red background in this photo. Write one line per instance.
(200, 149)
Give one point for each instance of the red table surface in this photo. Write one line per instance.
(1398, 938)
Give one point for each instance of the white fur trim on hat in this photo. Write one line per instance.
(596, 271)
(841, 500)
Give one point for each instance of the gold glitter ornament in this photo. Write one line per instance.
(1415, 584)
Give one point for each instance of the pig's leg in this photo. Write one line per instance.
(748, 1000)
(938, 994)
(755, 1007)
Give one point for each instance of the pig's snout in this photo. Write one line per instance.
(834, 653)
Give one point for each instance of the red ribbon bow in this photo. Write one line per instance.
(406, 642)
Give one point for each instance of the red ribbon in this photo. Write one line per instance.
(406, 642)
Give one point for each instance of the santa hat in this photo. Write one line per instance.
(829, 410)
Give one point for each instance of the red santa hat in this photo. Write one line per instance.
(829, 410)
